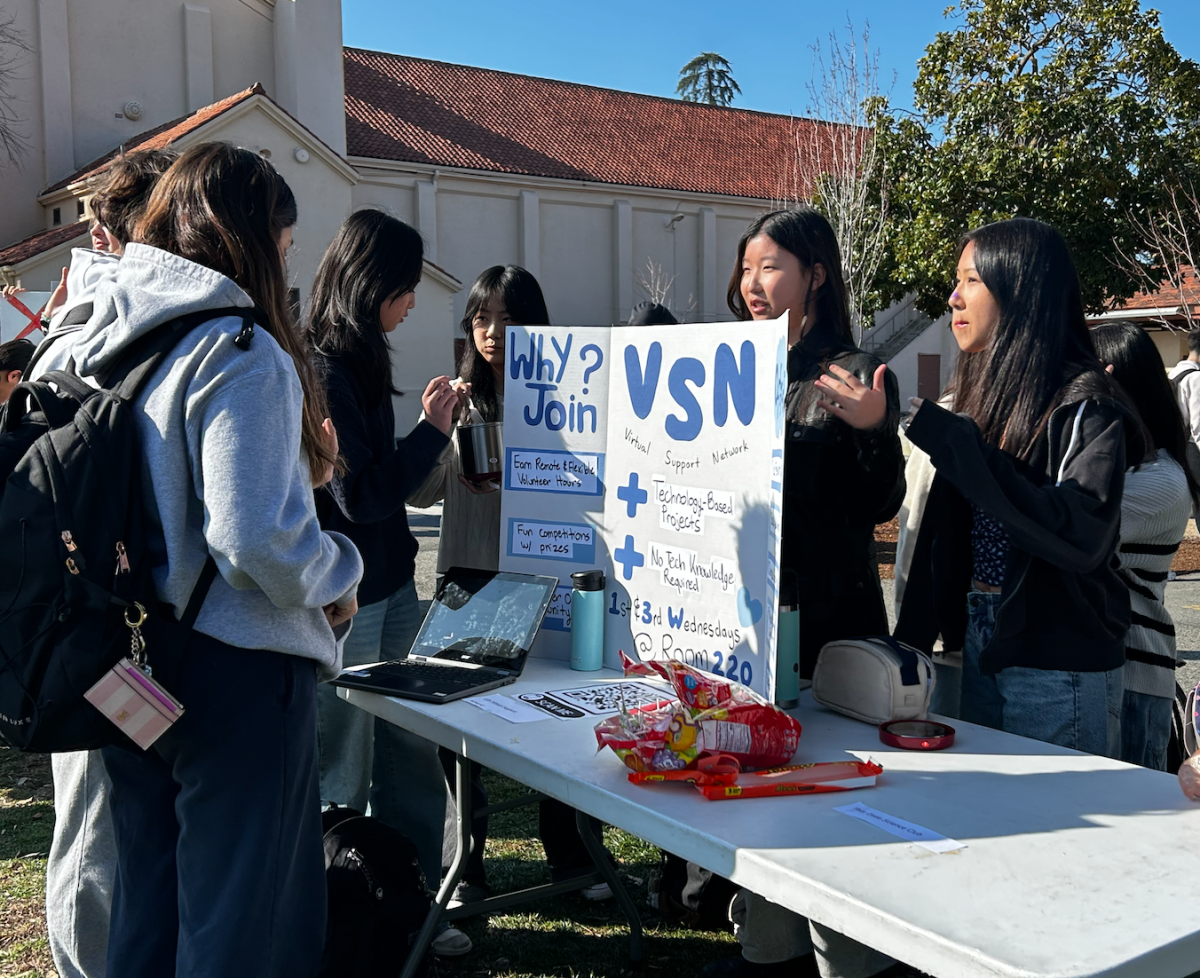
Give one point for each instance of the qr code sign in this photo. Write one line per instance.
(603, 698)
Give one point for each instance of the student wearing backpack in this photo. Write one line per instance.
(363, 291)
(81, 867)
(219, 863)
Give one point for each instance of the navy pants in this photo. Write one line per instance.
(220, 869)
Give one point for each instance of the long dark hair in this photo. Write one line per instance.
(1138, 368)
(523, 299)
(225, 208)
(373, 258)
(1040, 342)
(806, 234)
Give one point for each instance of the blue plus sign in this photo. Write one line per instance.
(632, 494)
(628, 557)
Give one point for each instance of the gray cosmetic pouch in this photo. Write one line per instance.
(874, 679)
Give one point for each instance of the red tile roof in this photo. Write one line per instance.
(161, 136)
(413, 110)
(1168, 297)
(35, 244)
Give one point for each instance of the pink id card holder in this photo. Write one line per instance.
(135, 703)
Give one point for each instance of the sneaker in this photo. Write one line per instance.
(468, 893)
(451, 943)
(597, 892)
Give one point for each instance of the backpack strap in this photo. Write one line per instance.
(76, 316)
(207, 575)
(58, 411)
(146, 354)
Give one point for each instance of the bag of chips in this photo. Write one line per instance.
(711, 716)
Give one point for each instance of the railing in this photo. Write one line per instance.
(899, 319)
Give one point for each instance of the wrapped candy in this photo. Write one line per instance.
(711, 716)
(720, 778)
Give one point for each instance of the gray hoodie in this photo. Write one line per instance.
(222, 460)
(88, 270)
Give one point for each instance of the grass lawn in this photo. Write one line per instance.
(563, 937)
(26, 824)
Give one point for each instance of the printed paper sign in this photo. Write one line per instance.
(683, 508)
(508, 707)
(666, 441)
(558, 615)
(604, 699)
(909, 831)
(547, 471)
(548, 704)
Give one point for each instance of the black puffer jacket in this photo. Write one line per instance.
(838, 484)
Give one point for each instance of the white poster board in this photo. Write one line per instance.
(19, 316)
(656, 454)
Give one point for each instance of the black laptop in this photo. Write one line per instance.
(475, 637)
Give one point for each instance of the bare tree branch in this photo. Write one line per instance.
(837, 166)
(655, 283)
(13, 51)
(1171, 235)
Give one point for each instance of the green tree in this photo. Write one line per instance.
(1074, 112)
(707, 78)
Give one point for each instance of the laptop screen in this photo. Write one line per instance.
(484, 617)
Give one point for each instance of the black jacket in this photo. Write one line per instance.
(367, 502)
(1063, 605)
(838, 484)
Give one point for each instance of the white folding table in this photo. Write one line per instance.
(1075, 865)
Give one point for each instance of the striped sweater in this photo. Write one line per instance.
(1154, 514)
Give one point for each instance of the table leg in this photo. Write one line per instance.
(608, 872)
(462, 779)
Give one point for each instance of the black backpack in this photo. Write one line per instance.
(75, 574)
(378, 899)
(691, 895)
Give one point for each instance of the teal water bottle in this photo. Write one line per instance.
(787, 643)
(587, 620)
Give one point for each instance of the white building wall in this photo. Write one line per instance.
(422, 348)
(593, 241)
(937, 339)
(323, 194)
(169, 56)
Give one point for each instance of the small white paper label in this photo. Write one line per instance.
(909, 831)
(511, 709)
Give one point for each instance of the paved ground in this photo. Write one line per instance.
(1183, 594)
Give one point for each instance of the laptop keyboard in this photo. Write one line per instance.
(449, 676)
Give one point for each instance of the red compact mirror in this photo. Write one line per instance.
(916, 734)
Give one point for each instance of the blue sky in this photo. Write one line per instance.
(640, 46)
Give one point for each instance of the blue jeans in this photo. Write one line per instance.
(218, 831)
(1081, 710)
(367, 760)
(1145, 730)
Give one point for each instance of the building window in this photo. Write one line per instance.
(56, 216)
(80, 208)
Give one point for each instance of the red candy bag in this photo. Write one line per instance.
(712, 716)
